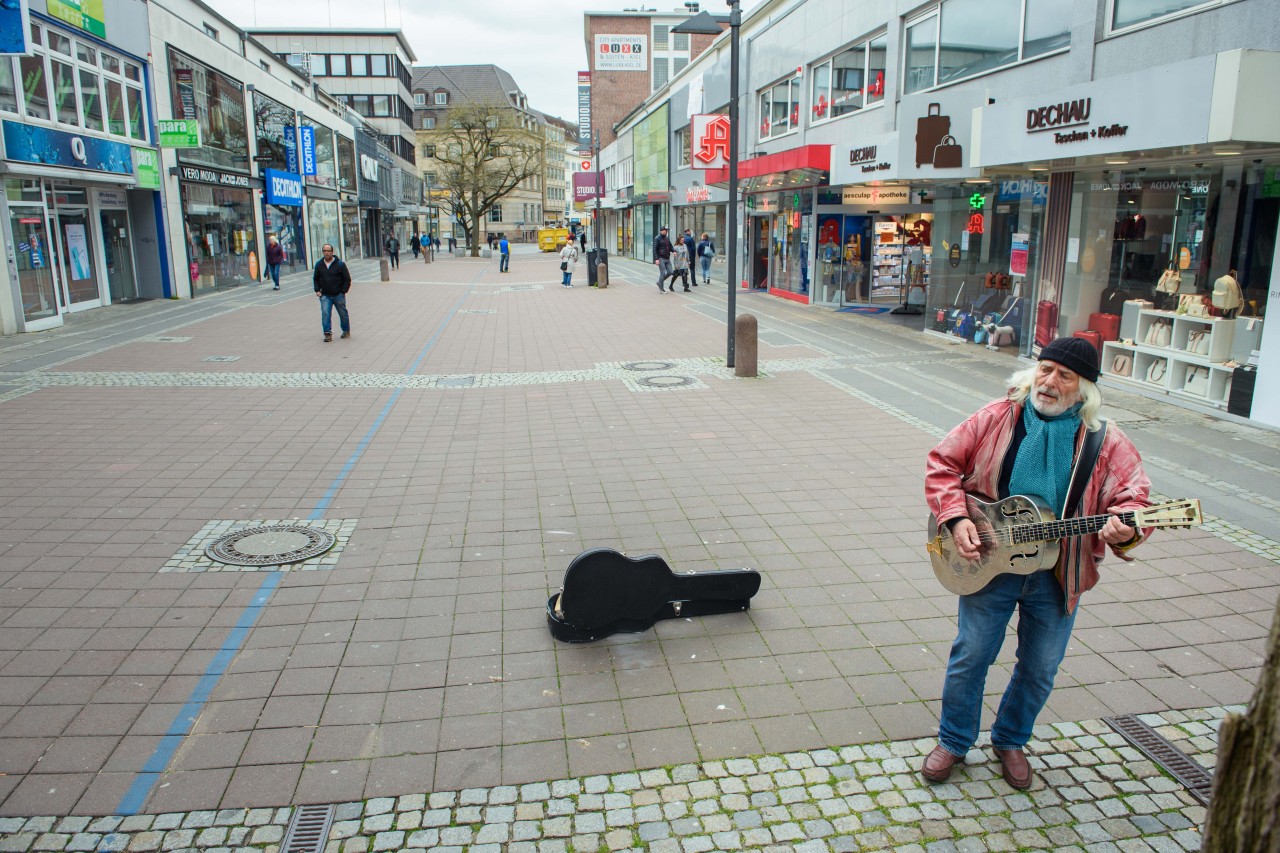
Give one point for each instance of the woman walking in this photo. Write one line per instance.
(706, 251)
(568, 260)
(680, 265)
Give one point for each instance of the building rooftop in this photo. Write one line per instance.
(329, 31)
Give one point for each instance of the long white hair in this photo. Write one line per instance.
(1021, 382)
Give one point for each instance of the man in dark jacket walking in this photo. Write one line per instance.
(332, 280)
(393, 249)
(662, 257)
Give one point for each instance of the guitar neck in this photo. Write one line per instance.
(1048, 531)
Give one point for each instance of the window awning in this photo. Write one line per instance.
(806, 166)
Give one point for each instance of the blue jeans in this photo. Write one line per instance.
(706, 268)
(274, 271)
(568, 275)
(327, 304)
(1044, 628)
(505, 262)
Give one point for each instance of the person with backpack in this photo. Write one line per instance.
(706, 253)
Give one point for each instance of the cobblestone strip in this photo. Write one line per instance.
(1093, 793)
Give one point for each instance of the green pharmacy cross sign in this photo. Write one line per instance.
(179, 133)
(977, 201)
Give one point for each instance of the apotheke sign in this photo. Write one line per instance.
(876, 195)
(1103, 117)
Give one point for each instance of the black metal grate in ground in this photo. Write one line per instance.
(1183, 768)
(308, 830)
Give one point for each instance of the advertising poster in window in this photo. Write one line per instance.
(1019, 253)
(15, 27)
(78, 253)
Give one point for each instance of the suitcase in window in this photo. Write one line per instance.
(930, 130)
(1091, 336)
(1106, 325)
(1129, 318)
(1046, 322)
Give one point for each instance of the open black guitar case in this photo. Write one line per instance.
(605, 592)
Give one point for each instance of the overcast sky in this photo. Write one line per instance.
(538, 41)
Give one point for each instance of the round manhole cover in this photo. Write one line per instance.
(270, 545)
(665, 381)
(648, 365)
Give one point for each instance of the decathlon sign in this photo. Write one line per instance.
(283, 189)
(710, 147)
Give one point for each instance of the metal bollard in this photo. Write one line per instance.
(384, 267)
(602, 276)
(745, 346)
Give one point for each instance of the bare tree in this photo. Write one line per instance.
(1244, 814)
(483, 153)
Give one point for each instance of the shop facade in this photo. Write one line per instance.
(275, 126)
(79, 176)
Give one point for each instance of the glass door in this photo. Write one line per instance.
(35, 260)
(80, 274)
(118, 248)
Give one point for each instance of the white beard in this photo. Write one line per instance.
(1051, 408)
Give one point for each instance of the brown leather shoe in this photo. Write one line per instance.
(1015, 768)
(937, 766)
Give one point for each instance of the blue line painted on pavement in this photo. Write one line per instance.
(325, 501)
(135, 798)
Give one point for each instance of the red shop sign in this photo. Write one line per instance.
(29, 220)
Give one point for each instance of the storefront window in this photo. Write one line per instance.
(64, 93)
(326, 169)
(323, 216)
(270, 120)
(115, 107)
(134, 105)
(286, 224)
(90, 100)
(202, 93)
(219, 234)
(986, 260)
(350, 231)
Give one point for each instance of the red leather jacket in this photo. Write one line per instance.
(969, 460)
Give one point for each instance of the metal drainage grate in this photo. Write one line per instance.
(1197, 780)
(664, 381)
(308, 830)
(648, 365)
(455, 382)
(478, 311)
(270, 545)
(166, 339)
(223, 358)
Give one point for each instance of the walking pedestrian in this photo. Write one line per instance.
(582, 237)
(393, 249)
(1027, 444)
(662, 256)
(568, 260)
(504, 255)
(415, 244)
(680, 265)
(706, 252)
(332, 281)
(687, 238)
(275, 257)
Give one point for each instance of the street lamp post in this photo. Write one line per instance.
(595, 160)
(704, 24)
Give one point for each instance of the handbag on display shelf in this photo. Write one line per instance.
(1170, 281)
(1192, 304)
(1155, 371)
(1122, 364)
(1158, 334)
(1198, 342)
(1197, 381)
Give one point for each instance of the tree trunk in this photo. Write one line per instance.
(1244, 812)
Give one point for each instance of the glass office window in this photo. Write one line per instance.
(90, 100)
(820, 96)
(378, 65)
(35, 92)
(876, 52)
(337, 65)
(133, 103)
(922, 41)
(8, 88)
(977, 35)
(64, 93)
(1046, 28)
(216, 100)
(115, 108)
(1130, 12)
(319, 65)
(848, 79)
(359, 65)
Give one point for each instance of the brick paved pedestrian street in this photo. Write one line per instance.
(475, 433)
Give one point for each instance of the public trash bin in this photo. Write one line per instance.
(595, 256)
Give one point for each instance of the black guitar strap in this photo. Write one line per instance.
(1084, 468)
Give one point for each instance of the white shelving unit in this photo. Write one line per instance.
(1177, 358)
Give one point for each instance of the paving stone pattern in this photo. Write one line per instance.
(1093, 793)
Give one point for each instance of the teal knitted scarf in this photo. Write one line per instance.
(1043, 465)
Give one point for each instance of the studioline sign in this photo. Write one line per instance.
(1103, 117)
(586, 186)
(283, 189)
(584, 109)
(710, 142)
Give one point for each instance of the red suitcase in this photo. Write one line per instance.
(1106, 325)
(1092, 337)
(930, 130)
(1046, 322)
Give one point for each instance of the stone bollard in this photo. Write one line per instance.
(384, 267)
(426, 256)
(745, 347)
(602, 276)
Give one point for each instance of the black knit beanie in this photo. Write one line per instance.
(1075, 354)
